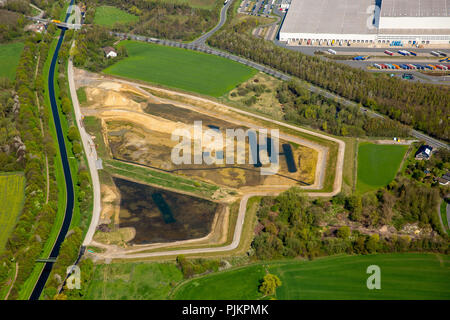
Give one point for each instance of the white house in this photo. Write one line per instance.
(110, 52)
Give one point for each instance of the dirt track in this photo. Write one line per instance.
(118, 253)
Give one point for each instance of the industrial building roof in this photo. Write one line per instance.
(415, 8)
(330, 16)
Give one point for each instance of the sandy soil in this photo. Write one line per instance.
(126, 102)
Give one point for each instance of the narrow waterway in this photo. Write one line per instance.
(40, 284)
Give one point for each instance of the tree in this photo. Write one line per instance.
(354, 205)
(270, 284)
(343, 232)
(372, 243)
(73, 134)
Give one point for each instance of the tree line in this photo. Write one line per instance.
(88, 53)
(33, 228)
(301, 106)
(422, 106)
(291, 225)
(161, 19)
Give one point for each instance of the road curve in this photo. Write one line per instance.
(223, 18)
(275, 73)
(91, 156)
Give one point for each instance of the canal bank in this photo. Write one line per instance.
(43, 277)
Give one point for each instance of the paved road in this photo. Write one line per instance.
(91, 155)
(309, 50)
(204, 48)
(275, 73)
(223, 18)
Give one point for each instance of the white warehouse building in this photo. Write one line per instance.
(368, 21)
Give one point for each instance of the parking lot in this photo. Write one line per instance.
(258, 7)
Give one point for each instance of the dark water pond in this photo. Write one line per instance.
(162, 216)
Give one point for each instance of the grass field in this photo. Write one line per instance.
(403, 276)
(443, 212)
(239, 284)
(161, 178)
(204, 4)
(12, 188)
(9, 57)
(377, 165)
(180, 68)
(137, 281)
(107, 16)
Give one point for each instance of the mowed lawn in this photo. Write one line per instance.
(9, 57)
(133, 281)
(377, 165)
(107, 16)
(180, 68)
(12, 194)
(403, 276)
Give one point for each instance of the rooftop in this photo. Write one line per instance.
(415, 8)
(330, 16)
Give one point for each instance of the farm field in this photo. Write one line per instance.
(377, 165)
(107, 16)
(10, 56)
(137, 281)
(12, 187)
(180, 68)
(403, 276)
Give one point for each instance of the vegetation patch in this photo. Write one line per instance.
(180, 68)
(377, 165)
(239, 284)
(11, 197)
(133, 281)
(404, 276)
(108, 16)
(9, 57)
(204, 4)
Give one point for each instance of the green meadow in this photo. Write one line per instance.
(107, 16)
(403, 276)
(9, 57)
(180, 68)
(12, 194)
(377, 165)
(137, 281)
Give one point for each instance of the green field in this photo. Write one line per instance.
(9, 57)
(377, 165)
(403, 276)
(136, 281)
(12, 188)
(443, 212)
(107, 16)
(204, 4)
(239, 284)
(180, 68)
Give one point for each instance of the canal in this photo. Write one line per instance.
(40, 284)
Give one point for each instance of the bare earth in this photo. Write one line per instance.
(118, 108)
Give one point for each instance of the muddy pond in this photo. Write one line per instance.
(163, 216)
